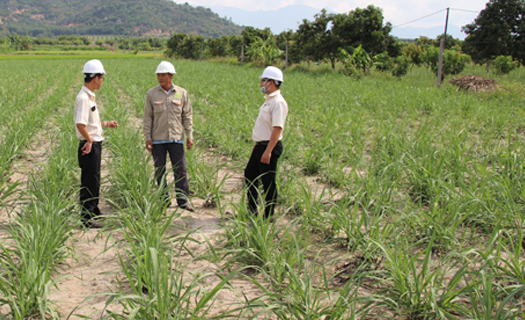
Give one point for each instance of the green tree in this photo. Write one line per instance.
(450, 41)
(498, 30)
(414, 52)
(360, 60)
(322, 38)
(402, 64)
(218, 47)
(145, 46)
(453, 60)
(295, 54)
(174, 42)
(249, 34)
(191, 47)
(504, 64)
(424, 41)
(316, 38)
(20, 43)
(234, 45)
(366, 28)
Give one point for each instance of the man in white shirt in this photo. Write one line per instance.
(89, 131)
(267, 134)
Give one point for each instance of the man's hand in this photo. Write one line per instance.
(267, 155)
(189, 144)
(86, 148)
(274, 138)
(149, 145)
(112, 124)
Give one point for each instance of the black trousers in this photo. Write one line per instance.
(178, 163)
(257, 172)
(89, 180)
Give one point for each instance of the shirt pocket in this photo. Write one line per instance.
(93, 113)
(159, 107)
(175, 105)
(266, 113)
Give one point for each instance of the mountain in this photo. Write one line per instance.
(279, 20)
(45, 18)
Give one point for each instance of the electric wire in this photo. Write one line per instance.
(418, 19)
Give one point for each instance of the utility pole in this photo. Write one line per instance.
(242, 54)
(441, 50)
(286, 63)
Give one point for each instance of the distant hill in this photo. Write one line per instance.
(46, 18)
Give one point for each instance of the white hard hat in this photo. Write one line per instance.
(165, 67)
(93, 67)
(273, 73)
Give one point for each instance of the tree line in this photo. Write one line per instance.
(361, 40)
(75, 42)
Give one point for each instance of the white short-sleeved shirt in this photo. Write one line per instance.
(86, 112)
(271, 114)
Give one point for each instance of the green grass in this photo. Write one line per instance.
(419, 191)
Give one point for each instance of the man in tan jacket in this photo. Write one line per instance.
(167, 120)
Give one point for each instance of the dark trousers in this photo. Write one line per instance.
(178, 163)
(257, 171)
(89, 180)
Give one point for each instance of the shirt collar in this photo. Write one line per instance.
(90, 93)
(273, 94)
(170, 90)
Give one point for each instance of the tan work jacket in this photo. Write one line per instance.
(168, 116)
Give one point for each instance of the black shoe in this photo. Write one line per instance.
(187, 207)
(230, 216)
(93, 224)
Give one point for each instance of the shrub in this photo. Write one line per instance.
(504, 64)
(453, 60)
(402, 63)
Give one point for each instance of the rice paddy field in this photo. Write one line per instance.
(397, 200)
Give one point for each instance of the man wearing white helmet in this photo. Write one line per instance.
(267, 134)
(168, 120)
(89, 131)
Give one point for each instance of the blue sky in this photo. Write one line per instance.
(398, 12)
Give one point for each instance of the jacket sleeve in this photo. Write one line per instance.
(187, 117)
(148, 118)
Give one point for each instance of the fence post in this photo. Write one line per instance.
(242, 54)
(286, 63)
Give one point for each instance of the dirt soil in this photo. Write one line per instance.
(90, 274)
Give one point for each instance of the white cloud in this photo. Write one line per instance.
(395, 11)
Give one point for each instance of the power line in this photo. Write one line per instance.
(432, 14)
(424, 17)
(465, 10)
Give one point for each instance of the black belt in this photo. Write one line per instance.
(261, 143)
(94, 142)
